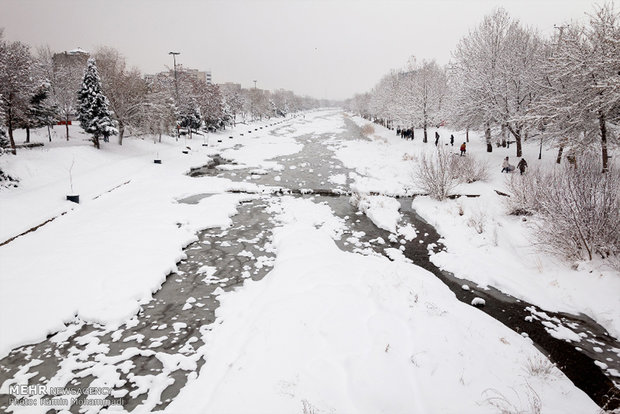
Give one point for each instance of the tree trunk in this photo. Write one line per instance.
(601, 121)
(121, 132)
(67, 126)
(467, 134)
(96, 141)
(10, 125)
(27, 135)
(425, 134)
(487, 137)
(49, 133)
(516, 132)
(559, 157)
(540, 149)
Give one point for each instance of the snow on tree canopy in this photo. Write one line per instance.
(93, 107)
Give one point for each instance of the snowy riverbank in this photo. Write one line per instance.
(98, 260)
(503, 254)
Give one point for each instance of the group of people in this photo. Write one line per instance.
(507, 167)
(405, 133)
(463, 147)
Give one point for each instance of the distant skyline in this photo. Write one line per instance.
(325, 49)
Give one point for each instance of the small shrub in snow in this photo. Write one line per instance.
(470, 169)
(460, 211)
(368, 129)
(529, 403)
(439, 174)
(434, 174)
(540, 367)
(477, 221)
(525, 192)
(6, 180)
(308, 408)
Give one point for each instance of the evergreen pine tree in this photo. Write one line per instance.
(93, 107)
(4, 142)
(190, 117)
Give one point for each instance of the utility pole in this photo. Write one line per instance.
(176, 83)
(253, 99)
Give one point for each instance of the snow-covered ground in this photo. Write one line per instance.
(504, 254)
(325, 331)
(99, 259)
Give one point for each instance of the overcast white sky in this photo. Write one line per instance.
(326, 49)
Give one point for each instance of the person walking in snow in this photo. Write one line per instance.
(507, 167)
(452, 139)
(522, 166)
(436, 138)
(463, 149)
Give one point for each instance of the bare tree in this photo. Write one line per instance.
(125, 89)
(157, 115)
(65, 77)
(15, 83)
(581, 84)
(233, 99)
(494, 72)
(431, 84)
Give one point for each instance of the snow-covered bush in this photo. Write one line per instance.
(435, 174)
(580, 210)
(525, 192)
(368, 129)
(4, 142)
(470, 169)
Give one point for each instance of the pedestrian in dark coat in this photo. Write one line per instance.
(522, 166)
(436, 138)
(452, 140)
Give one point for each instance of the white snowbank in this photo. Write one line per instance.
(382, 210)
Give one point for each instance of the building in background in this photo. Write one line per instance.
(72, 58)
(200, 75)
(230, 86)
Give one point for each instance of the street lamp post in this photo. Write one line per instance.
(176, 83)
(254, 98)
